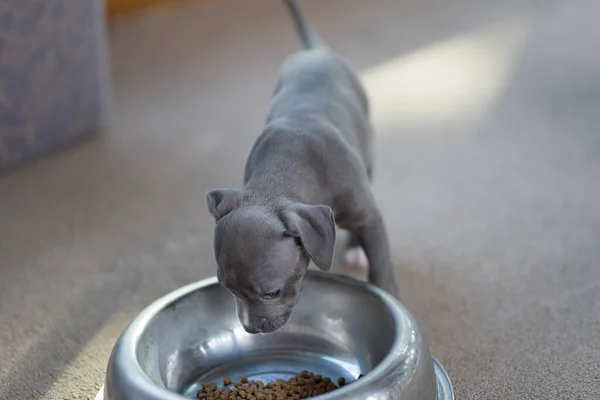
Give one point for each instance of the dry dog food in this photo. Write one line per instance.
(302, 386)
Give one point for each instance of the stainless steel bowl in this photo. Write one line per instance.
(341, 327)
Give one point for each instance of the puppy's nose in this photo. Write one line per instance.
(255, 325)
(250, 329)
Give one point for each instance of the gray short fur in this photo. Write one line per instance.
(309, 170)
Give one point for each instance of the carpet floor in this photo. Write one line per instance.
(488, 174)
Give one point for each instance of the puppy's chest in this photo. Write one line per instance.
(348, 209)
(343, 217)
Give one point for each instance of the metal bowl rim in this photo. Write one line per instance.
(444, 385)
(133, 332)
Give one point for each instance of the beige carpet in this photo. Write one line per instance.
(488, 115)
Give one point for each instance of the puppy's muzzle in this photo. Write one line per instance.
(264, 324)
(256, 324)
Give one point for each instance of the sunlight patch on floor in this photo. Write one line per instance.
(453, 81)
(84, 375)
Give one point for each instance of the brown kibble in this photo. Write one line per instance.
(301, 386)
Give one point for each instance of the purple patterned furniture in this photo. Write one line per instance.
(54, 84)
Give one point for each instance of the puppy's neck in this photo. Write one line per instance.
(268, 197)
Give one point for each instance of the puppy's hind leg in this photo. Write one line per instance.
(355, 256)
(371, 233)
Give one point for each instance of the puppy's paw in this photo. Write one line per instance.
(356, 258)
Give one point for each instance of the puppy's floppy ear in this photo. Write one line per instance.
(222, 201)
(314, 226)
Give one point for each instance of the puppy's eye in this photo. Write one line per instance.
(271, 295)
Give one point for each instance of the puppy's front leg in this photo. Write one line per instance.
(373, 238)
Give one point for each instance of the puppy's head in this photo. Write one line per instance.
(263, 251)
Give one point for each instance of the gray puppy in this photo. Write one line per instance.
(309, 169)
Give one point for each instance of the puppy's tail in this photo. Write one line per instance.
(308, 37)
